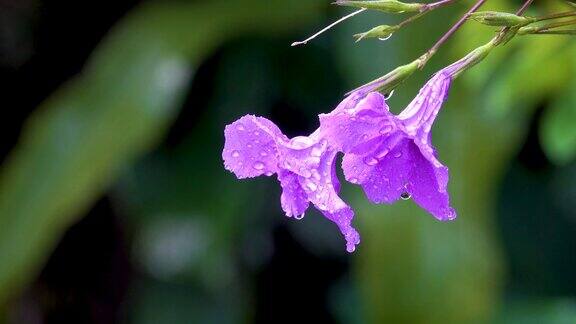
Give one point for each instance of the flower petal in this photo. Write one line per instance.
(250, 147)
(428, 183)
(353, 127)
(422, 111)
(384, 173)
(322, 188)
(343, 218)
(293, 199)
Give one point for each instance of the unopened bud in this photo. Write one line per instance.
(390, 6)
(390, 81)
(501, 19)
(382, 32)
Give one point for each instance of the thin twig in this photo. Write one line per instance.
(328, 27)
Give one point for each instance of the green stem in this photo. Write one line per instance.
(556, 16)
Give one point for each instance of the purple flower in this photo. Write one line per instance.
(390, 156)
(304, 165)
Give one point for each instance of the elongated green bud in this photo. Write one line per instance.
(391, 80)
(390, 6)
(501, 19)
(540, 31)
(382, 32)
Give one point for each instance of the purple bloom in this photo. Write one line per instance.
(390, 156)
(305, 167)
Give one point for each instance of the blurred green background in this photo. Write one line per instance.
(115, 206)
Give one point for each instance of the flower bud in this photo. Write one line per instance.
(390, 81)
(382, 32)
(502, 19)
(390, 6)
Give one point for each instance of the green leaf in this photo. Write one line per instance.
(558, 128)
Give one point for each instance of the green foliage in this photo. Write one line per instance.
(558, 127)
(104, 119)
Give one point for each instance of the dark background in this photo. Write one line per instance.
(175, 239)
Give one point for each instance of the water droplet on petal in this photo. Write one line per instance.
(364, 137)
(316, 174)
(269, 173)
(316, 151)
(258, 166)
(353, 180)
(370, 160)
(397, 154)
(235, 154)
(389, 95)
(386, 129)
(240, 127)
(451, 214)
(405, 196)
(382, 154)
(299, 217)
(311, 185)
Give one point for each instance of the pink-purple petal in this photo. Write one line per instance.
(322, 188)
(250, 149)
(427, 185)
(353, 127)
(420, 114)
(294, 199)
(383, 174)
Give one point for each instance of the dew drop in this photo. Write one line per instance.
(385, 38)
(405, 196)
(364, 137)
(316, 151)
(299, 217)
(370, 160)
(316, 174)
(269, 173)
(240, 127)
(389, 95)
(311, 185)
(258, 166)
(382, 154)
(386, 129)
(397, 154)
(353, 180)
(235, 154)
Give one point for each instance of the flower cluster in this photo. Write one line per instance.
(389, 156)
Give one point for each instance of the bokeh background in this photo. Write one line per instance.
(115, 206)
